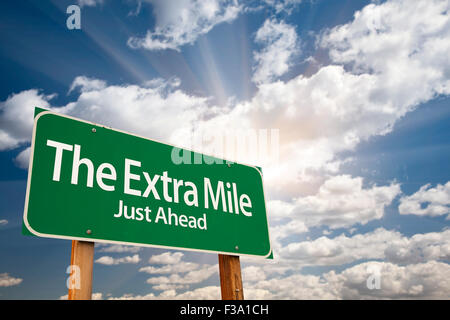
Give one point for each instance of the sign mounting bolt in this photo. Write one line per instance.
(94, 130)
(237, 248)
(88, 231)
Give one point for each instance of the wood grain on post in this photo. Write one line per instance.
(83, 259)
(230, 277)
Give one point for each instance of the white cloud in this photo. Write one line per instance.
(130, 296)
(253, 274)
(341, 201)
(191, 277)
(89, 3)
(280, 45)
(428, 280)
(3, 222)
(405, 45)
(204, 293)
(283, 5)
(380, 244)
(8, 281)
(127, 107)
(180, 274)
(107, 260)
(131, 107)
(166, 258)
(94, 296)
(281, 231)
(117, 248)
(182, 22)
(339, 250)
(16, 117)
(179, 267)
(417, 281)
(293, 287)
(419, 248)
(427, 201)
(87, 84)
(23, 158)
(97, 296)
(168, 287)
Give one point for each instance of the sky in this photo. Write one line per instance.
(358, 184)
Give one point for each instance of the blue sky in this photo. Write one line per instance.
(359, 91)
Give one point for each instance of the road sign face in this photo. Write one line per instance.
(89, 182)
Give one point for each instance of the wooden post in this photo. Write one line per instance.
(82, 262)
(230, 277)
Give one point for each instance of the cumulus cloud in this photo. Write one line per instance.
(16, 117)
(117, 248)
(182, 22)
(131, 107)
(89, 3)
(404, 45)
(253, 273)
(294, 227)
(8, 281)
(280, 45)
(380, 244)
(178, 267)
(341, 201)
(191, 277)
(94, 296)
(178, 274)
(87, 84)
(427, 201)
(283, 5)
(127, 107)
(203, 293)
(209, 292)
(166, 258)
(416, 281)
(23, 158)
(419, 248)
(430, 280)
(109, 261)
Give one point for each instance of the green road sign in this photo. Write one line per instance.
(90, 182)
